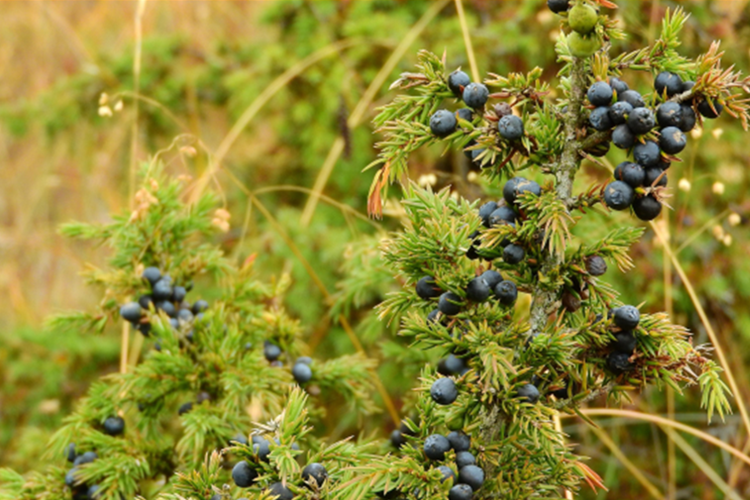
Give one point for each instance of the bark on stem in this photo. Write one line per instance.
(564, 171)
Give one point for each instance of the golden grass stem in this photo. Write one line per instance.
(707, 325)
(704, 466)
(668, 307)
(363, 105)
(467, 41)
(647, 417)
(124, 340)
(276, 85)
(632, 468)
(139, 11)
(700, 231)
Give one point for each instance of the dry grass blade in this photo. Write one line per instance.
(704, 466)
(279, 83)
(467, 41)
(363, 105)
(632, 468)
(669, 423)
(709, 329)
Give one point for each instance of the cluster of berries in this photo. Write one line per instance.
(638, 183)
(470, 476)
(164, 297)
(475, 95)
(301, 370)
(113, 426)
(626, 320)
(245, 475)
(81, 491)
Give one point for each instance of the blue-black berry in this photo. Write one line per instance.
(464, 458)
(477, 290)
(151, 274)
(93, 492)
(271, 351)
(261, 447)
(459, 441)
(281, 492)
(450, 304)
(457, 81)
(502, 214)
(443, 123)
(618, 195)
(596, 265)
(705, 108)
(669, 82)
(618, 85)
(167, 307)
(185, 315)
(302, 373)
(315, 471)
(465, 114)
(447, 473)
(529, 392)
(471, 475)
(618, 112)
(492, 278)
(485, 211)
(200, 306)
(626, 317)
(70, 477)
(625, 342)
(669, 114)
(475, 95)
(631, 173)
(506, 293)
(688, 119)
(451, 365)
(653, 175)
(397, 439)
(600, 94)
(647, 153)
(600, 119)
(517, 186)
(443, 391)
(647, 207)
(427, 288)
(623, 137)
(162, 290)
(70, 452)
(619, 362)
(131, 312)
(436, 446)
(114, 426)
(513, 254)
(672, 140)
(641, 121)
(185, 408)
(558, 6)
(632, 97)
(510, 127)
(432, 317)
(463, 491)
(86, 458)
(178, 294)
(145, 301)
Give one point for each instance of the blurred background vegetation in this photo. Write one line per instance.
(310, 74)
